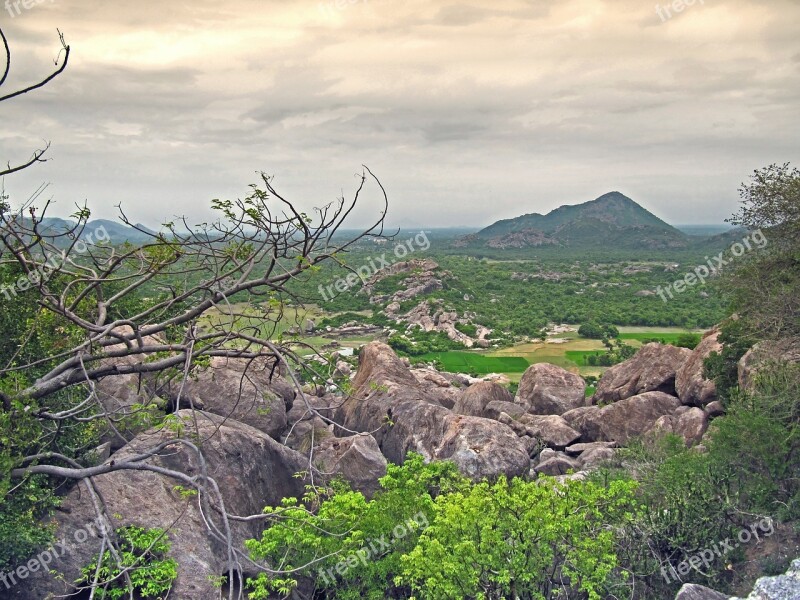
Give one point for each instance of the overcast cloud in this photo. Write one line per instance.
(467, 111)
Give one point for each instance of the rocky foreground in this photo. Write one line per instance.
(256, 432)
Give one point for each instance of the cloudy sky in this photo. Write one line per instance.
(467, 111)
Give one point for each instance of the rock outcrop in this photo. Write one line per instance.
(622, 420)
(390, 402)
(244, 390)
(690, 384)
(477, 397)
(780, 587)
(356, 459)
(652, 368)
(546, 389)
(251, 469)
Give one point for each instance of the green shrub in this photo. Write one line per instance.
(143, 568)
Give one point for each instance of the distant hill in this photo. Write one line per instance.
(117, 233)
(611, 221)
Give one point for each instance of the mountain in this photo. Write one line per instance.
(611, 221)
(96, 230)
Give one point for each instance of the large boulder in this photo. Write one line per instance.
(553, 430)
(546, 389)
(692, 591)
(622, 420)
(560, 464)
(690, 384)
(476, 398)
(248, 391)
(690, 425)
(780, 587)
(443, 387)
(129, 400)
(652, 368)
(251, 471)
(308, 421)
(356, 459)
(512, 409)
(405, 418)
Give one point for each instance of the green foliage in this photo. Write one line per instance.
(418, 342)
(507, 539)
(694, 499)
(597, 331)
(520, 539)
(764, 286)
(467, 329)
(344, 523)
(144, 566)
(688, 340)
(722, 367)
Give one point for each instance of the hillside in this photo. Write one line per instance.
(612, 220)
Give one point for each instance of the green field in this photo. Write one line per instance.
(578, 356)
(471, 362)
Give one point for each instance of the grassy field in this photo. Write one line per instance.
(570, 354)
(472, 362)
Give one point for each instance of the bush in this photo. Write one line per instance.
(143, 554)
(596, 331)
(507, 539)
(520, 539)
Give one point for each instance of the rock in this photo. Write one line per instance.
(546, 389)
(690, 384)
(592, 458)
(357, 459)
(781, 587)
(692, 591)
(405, 418)
(622, 420)
(714, 409)
(251, 469)
(476, 398)
(438, 386)
(554, 431)
(765, 356)
(652, 368)
(532, 445)
(240, 389)
(494, 408)
(576, 449)
(548, 453)
(125, 395)
(691, 425)
(343, 369)
(558, 465)
(305, 429)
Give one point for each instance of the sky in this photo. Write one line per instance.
(467, 112)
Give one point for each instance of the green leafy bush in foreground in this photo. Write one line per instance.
(431, 533)
(143, 567)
